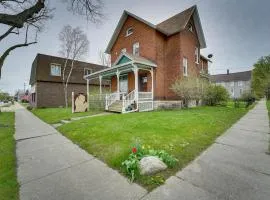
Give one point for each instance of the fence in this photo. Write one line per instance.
(97, 102)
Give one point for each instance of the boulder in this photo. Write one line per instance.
(151, 165)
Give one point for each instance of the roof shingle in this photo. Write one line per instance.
(238, 76)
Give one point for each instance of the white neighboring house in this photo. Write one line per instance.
(235, 83)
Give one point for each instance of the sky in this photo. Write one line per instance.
(236, 32)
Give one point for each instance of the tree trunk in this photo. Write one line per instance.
(70, 72)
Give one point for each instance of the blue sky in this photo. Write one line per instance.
(236, 31)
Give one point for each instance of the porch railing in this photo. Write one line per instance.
(128, 100)
(113, 97)
(145, 95)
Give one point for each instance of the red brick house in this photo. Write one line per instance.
(46, 80)
(148, 58)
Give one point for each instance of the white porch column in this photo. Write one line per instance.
(118, 83)
(152, 90)
(135, 70)
(100, 84)
(87, 90)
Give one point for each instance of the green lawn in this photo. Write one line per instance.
(55, 115)
(8, 180)
(182, 133)
(268, 106)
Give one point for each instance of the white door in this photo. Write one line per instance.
(124, 83)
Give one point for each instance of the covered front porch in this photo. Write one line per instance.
(131, 84)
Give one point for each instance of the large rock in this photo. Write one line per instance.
(151, 165)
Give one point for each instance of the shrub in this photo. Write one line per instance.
(131, 165)
(189, 89)
(25, 101)
(29, 108)
(248, 97)
(215, 95)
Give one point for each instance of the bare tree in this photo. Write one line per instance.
(189, 89)
(104, 59)
(29, 17)
(74, 44)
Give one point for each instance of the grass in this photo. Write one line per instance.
(182, 133)
(55, 115)
(268, 107)
(8, 181)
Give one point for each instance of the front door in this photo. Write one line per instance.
(124, 83)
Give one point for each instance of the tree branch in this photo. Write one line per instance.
(7, 52)
(10, 30)
(19, 19)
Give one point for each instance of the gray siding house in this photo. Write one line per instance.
(235, 83)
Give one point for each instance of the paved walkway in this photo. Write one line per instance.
(236, 167)
(50, 167)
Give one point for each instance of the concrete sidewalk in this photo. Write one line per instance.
(236, 167)
(51, 167)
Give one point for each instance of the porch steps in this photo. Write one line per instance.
(116, 107)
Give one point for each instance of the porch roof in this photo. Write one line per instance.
(124, 63)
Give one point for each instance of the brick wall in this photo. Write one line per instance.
(50, 94)
(166, 52)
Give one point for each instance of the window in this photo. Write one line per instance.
(136, 49)
(87, 71)
(240, 83)
(196, 55)
(33, 97)
(129, 31)
(190, 28)
(241, 91)
(185, 66)
(144, 79)
(55, 70)
(124, 50)
(232, 92)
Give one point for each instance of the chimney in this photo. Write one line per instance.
(228, 72)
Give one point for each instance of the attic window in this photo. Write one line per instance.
(190, 27)
(87, 71)
(55, 69)
(129, 31)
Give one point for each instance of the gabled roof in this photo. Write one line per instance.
(168, 27)
(134, 59)
(179, 22)
(176, 23)
(124, 60)
(238, 76)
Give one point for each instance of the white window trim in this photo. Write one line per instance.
(55, 64)
(124, 50)
(185, 66)
(190, 28)
(197, 59)
(136, 44)
(87, 69)
(128, 33)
